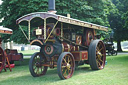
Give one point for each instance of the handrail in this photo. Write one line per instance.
(51, 32)
(24, 33)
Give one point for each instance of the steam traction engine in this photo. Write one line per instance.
(3, 54)
(64, 42)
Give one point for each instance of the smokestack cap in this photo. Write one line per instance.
(51, 5)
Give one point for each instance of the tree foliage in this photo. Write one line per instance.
(118, 20)
(13, 9)
(94, 11)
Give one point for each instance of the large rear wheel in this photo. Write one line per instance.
(36, 65)
(65, 65)
(97, 55)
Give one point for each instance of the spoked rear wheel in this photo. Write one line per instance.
(65, 65)
(2, 59)
(97, 55)
(36, 65)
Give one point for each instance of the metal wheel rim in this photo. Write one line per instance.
(100, 55)
(67, 66)
(38, 68)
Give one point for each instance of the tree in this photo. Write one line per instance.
(118, 20)
(89, 10)
(13, 9)
(86, 10)
(125, 18)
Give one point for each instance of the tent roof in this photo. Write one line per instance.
(4, 30)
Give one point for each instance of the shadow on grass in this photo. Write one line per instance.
(25, 78)
(50, 77)
(29, 80)
(22, 63)
(84, 69)
(22, 76)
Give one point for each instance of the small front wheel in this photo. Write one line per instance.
(65, 65)
(36, 65)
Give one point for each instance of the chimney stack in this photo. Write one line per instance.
(51, 6)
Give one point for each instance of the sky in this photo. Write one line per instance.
(0, 1)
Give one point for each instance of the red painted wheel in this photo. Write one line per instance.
(65, 65)
(97, 55)
(35, 65)
(2, 59)
(89, 37)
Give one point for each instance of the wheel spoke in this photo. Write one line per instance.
(69, 59)
(41, 68)
(97, 52)
(65, 60)
(97, 55)
(97, 48)
(34, 68)
(99, 45)
(63, 66)
(69, 71)
(35, 65)
(65, 71)
(97, 61)
(67, 65)
(36, 60)
(99, 64)
(102, 55)
(99, 58)
(37, 70)
(100, 49)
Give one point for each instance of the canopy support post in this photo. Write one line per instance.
(29, 30)
(61, 30)
(44, 28)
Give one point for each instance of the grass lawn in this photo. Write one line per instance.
(114, 73)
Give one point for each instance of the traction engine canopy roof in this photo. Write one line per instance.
(44, 15)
